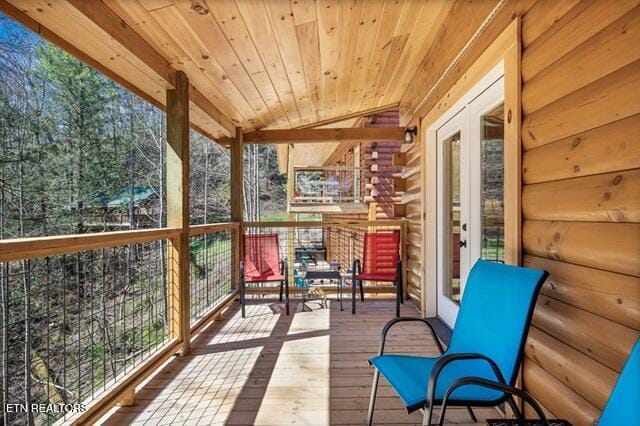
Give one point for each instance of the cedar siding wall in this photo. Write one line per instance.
(581, 198)
(413, 213)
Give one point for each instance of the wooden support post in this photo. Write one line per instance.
(178, 210)
(236, 152)
(291, 188)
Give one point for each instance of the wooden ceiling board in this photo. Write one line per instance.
(429, 20)
(369, 25)
(309, 45)
(177, 27)
(136, 16)
(389, 23)
(91, 44)
(460, 24)
(230, 21)
(397, 48)
(351, 13)
(329, 30)
(280, 18)
(254, 16)
(269, 63)
(213, 52)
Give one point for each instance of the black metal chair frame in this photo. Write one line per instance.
(283, 284)
(500, 384)
(357, 270)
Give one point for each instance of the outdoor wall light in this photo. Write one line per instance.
(409, 133)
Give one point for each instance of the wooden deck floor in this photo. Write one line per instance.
(309, 368)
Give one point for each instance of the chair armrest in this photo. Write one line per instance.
(490, 384)
(390, 324)
(447, 359)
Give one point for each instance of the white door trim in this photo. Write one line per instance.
(431, 268)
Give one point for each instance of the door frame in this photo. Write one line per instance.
(458, 123)
(433, 182)
(506, 49)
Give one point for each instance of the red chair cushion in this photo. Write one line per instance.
(261, 258)
(381, 253)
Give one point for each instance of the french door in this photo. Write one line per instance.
(470, 193)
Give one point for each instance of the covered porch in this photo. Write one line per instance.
(157, 336)
(307, 368)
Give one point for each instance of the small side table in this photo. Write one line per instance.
(326, 275)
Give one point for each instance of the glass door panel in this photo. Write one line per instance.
(492, 184)
(452, 242)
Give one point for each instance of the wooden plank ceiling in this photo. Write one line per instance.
(257, 63)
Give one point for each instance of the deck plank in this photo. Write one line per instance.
(309, 368)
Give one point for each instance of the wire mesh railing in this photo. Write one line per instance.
(316, 246)
(212, 255)
(328, 184)
(74, 323)
(84, 317)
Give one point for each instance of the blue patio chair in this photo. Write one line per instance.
(487, 344)
(623, 405)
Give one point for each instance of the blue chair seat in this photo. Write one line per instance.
(409, 375)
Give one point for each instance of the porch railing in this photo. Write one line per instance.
(328, 184)
(326, 245)
(84, 318)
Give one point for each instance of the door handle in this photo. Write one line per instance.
(462, 243)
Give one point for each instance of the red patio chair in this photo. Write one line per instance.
(380, 262)
(261, 264)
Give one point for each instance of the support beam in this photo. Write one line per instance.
(111, 23)
(363, 113)
(212, 111)
(236, 179)
(352, 134)
(178, 210)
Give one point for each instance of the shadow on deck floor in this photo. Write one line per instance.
(309, 368)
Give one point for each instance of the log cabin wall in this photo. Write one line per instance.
(580, 194)
(581, 199)
(413, 214)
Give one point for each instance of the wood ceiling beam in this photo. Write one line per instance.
(111, 23)
(37, 28)
(286, 136)
(363, 113)
(105, 18)
(101, 15)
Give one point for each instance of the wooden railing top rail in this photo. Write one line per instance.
(212, 227)
(29, 248)
(327, 168)
(325, 224)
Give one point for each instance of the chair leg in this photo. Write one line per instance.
(286, 295)
(353, 296)
(361, 291)
(428, 415)
(514, 407)
(472, 415)
(372, 400)
(281, 289)
(242, 308)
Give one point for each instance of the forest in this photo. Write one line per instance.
(80, 154)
